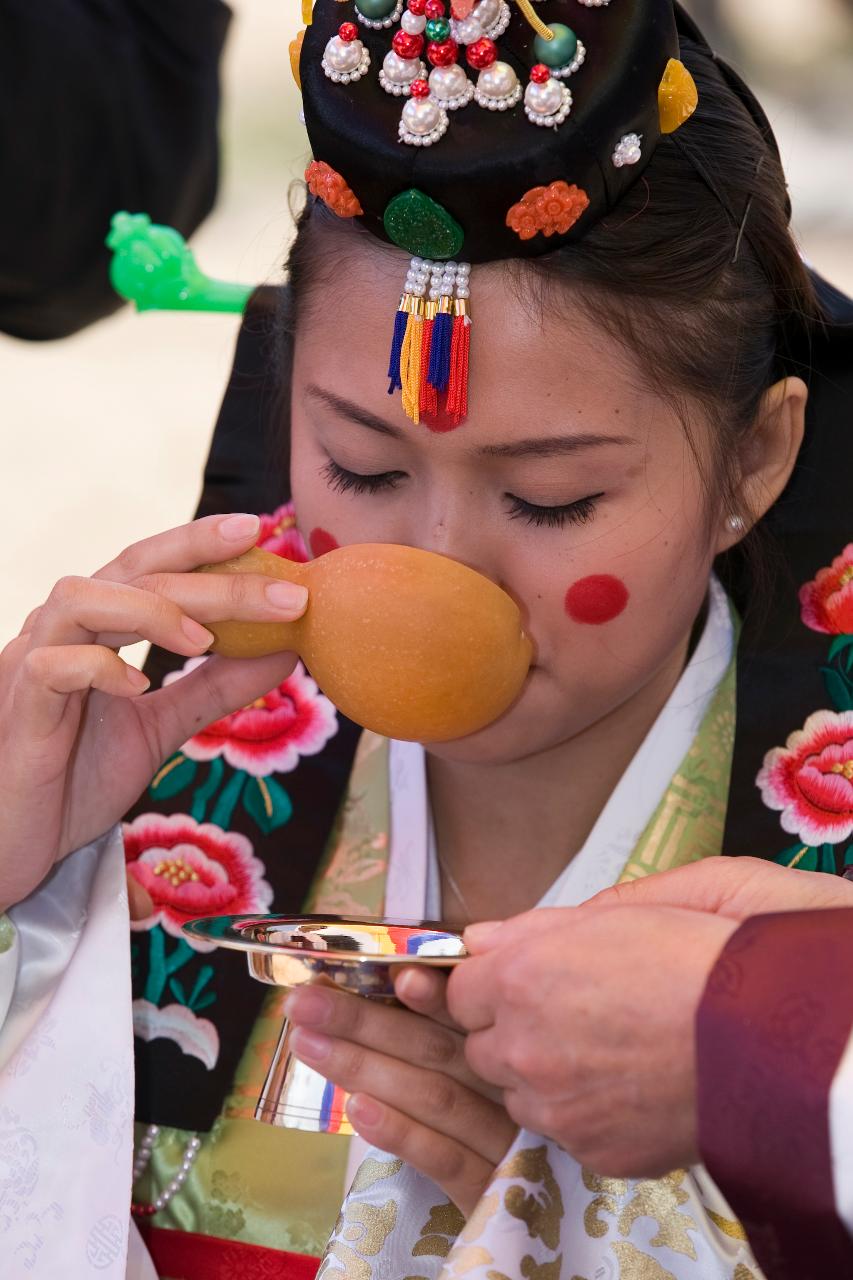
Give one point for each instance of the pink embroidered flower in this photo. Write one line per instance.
(811, 779)
(271, 734)
(826, 603)
(192, 869)
(280, 535)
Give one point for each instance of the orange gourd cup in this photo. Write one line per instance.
(404, 642)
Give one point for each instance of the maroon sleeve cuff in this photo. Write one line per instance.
(773, 1023)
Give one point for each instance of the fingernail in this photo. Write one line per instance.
(414, 985)
(309, 1008)
(196, 633)
(137, 679)
(476, 934)
(238, 528)
(288, 596)
(309, 1046)
(364, 1111)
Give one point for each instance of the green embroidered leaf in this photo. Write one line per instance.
(177, 990)
(207, 790)
(827, 859)
(204, 976)
(203, 1003)
(177, 773)
(800, 856)
(839, 644)
(839, 688)
(267, 803)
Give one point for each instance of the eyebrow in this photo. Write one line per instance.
(536, 447)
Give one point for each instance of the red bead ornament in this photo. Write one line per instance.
(419, 89)
(443, 54)
(348, 32)
(407, 46)
(540, 74)
(434, 9)
(417, 7)
(482, 53)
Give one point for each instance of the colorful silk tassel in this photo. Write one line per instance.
(457, 389)
(410, 361)
(429, 395)
(394, 383)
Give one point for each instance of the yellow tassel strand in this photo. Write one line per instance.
(410, 361)
(527, 11)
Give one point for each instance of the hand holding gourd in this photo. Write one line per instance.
(405, 642)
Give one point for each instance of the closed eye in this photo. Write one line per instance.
(578, 512)
(344, 481)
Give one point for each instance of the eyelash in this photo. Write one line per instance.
(579, 512)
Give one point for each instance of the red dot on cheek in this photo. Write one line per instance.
(321, 542)
(599, 598)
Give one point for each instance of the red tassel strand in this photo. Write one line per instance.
(460, 346)
(428, 393)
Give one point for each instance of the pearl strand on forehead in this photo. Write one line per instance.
(140, 1164)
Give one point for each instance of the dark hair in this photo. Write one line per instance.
(715, 315)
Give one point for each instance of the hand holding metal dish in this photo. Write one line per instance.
(356, 955)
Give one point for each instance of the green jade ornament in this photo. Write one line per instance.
(558, 52)
(375, 10)
(422, 226)
(154, 268)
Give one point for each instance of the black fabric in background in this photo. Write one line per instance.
(104, 105)
(779, 682)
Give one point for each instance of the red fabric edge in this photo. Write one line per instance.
(184, 1255)
(773, 1023)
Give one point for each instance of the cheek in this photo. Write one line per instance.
(320, 542)
(596, 600)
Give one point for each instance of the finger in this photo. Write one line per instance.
(406, 1036)
(214, 597)
(462, 1174)
(424, 991)
(730, 887)
(206, 541)
(486, 1055)
(429, 1097)
(215, 688)
(472, 993)
(491, 935)
(46, 677)
(79, 609)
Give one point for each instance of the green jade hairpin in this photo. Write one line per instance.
(154, 268)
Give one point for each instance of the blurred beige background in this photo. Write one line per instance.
(105, 434)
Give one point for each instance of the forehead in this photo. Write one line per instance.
(539, 360)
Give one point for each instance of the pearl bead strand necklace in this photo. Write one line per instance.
(140, 1164)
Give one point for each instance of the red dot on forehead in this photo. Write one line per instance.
(321, 542)
(597, 599)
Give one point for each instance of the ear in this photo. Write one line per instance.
(767, 458)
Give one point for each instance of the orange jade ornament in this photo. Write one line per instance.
(678, 96)
(404, 642)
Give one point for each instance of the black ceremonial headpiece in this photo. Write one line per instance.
(466, 132)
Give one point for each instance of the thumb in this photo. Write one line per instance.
(215, 688)
(731, 887)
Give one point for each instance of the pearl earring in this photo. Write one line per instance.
(736, 524)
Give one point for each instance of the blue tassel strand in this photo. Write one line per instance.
(439, 354)
(396, 347)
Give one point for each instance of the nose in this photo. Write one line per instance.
(451, 528)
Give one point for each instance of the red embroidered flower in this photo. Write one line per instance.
(551, 210)
(271, 734)
(192, 869)
(280, 535)
(811, 779)
(826, 603)
(332, 189)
